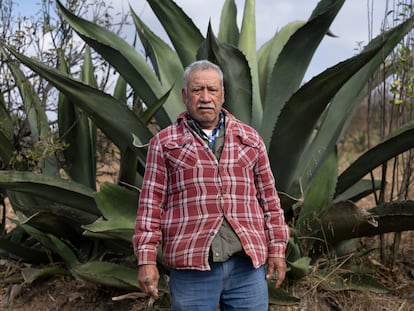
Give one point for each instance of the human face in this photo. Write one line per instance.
(204, 97)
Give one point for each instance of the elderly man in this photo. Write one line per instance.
(209, 199)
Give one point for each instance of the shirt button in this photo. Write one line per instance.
(217, 254)
(212, 233)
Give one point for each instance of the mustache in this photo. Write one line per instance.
(206, 105)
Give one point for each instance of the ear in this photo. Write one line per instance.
(184, 95)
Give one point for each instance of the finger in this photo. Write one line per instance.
(269, 272)
(280, 276)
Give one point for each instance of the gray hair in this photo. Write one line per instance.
(201, 65)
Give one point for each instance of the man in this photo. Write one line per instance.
(209, 198)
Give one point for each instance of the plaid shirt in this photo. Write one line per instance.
(186, 193)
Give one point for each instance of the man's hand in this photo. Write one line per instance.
(148, 277)
(277, 266)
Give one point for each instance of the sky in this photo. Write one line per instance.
(350, 26)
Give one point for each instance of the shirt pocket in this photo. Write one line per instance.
(180, 154)
(248, 151)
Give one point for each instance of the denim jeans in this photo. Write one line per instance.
(232, 285)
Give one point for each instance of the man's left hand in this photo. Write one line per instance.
(276, 266)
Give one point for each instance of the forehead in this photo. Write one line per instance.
(204, 76)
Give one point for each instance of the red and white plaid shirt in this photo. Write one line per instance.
(186, 193)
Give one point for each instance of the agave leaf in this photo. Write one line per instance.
(291, 65)
(33, 274)
(228, 30)
(120, 92)
(17, 250)
(247, 44)
(58, 221)
(346, 100)
(78, 132)
(237, 79)
(36, 113)
(53, 243)
(397, 142)
(6, 123)
(108, 274)
(119, 208)
(149, 113)
(122, 56)
(319, 197)
(116, 202)
(300, 115)
(359, 190)
(269, 52)
(351, 281)
(6, 135)
(178, 26)
(114, 229)
(300, 267)
(165, 63)
(111, 116)
(346, 221)
(51, 188)
(278, 296)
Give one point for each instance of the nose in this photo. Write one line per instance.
(205, 95)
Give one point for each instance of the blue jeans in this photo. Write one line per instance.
(232, 285)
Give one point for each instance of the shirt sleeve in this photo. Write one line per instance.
(147, 235)
(276, 230)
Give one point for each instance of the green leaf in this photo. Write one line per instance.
(116, 202)
(33, 274)
(121, 55)
(108, 274)
(269, 53)
(299, 118)
(247, 45)
(351, 281)
(51, 188)
(278, 296)
(78, 133)
(111, 116)
(36, 114)
(237, 79)
(395, 143)
(346, 100)
(359, 190)
(6, 134)
(300, 267)
(228, 30)
(119, 208)
(166, 64)
(178, 26)
(53, 243)
(319, 197)
(291, 66)
(17, 250)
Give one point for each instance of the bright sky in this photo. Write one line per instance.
(351, 24)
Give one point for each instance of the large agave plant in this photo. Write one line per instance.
(301, 125)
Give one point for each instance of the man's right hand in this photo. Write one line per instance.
(148, 277)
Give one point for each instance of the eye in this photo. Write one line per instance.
(196, 89)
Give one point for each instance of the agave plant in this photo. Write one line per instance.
(301, 126)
